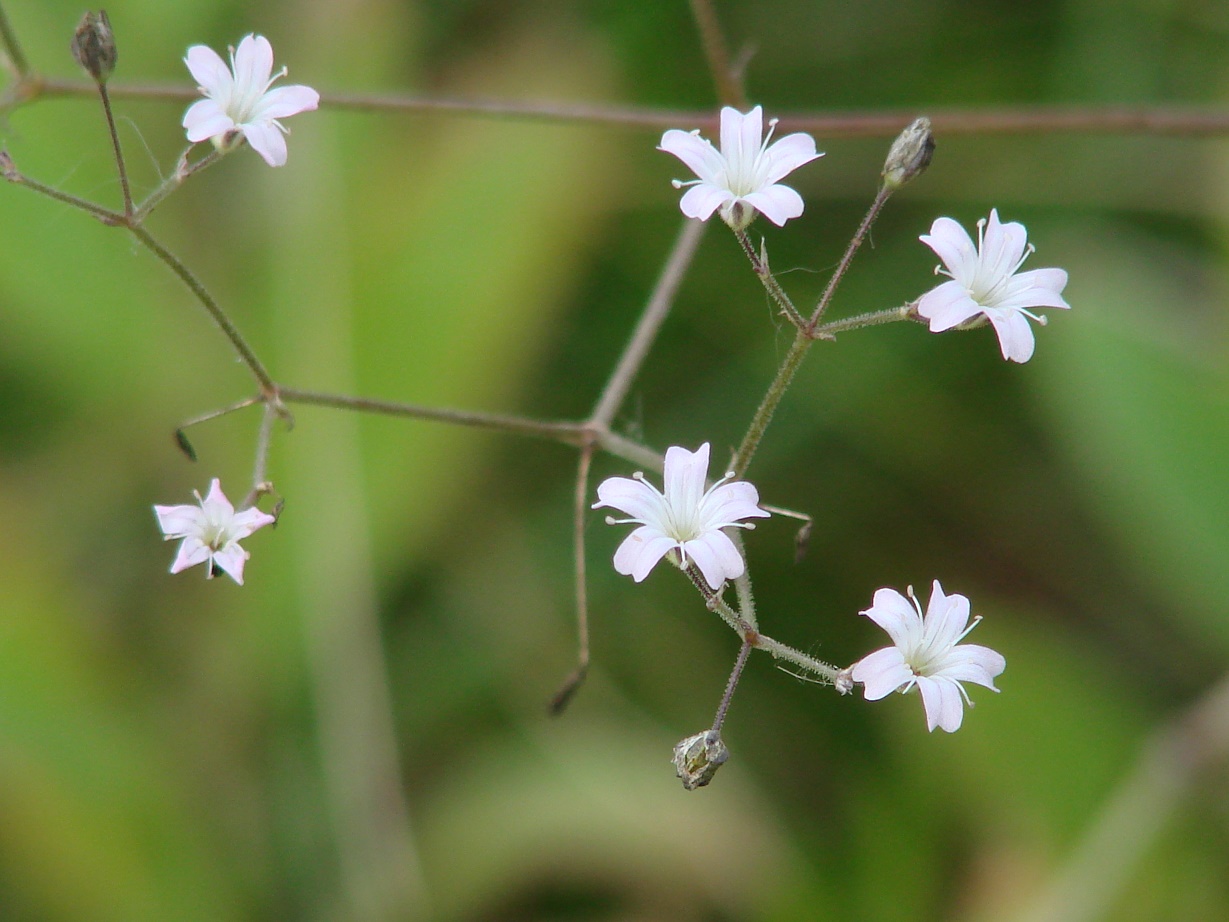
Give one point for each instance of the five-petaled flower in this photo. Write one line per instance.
(211, 532)
(683, 517)
(984, 280)
(238, 99)
(744, 176)
(927, 654)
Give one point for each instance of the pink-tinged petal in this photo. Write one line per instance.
(177, 521)
(786, 155)
(217, 499)
(943, 703)
(685, 474)
(716, 556)
(253, 62)
(947, 305)
(881, 673)
(267, 140)
(700, 201)
(209, 70)
(285, 101)
(1002, 245)
(777, 203)
(230, 560)
(1015, 335)
(633, 497)
(698, 154)
(741, 135)
(191, 552)
(204, 120)
(896, 615)
(946, 617)
(730, 503)
(640, 552)
(248, 521)
(954, 247)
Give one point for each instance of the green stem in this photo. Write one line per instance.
(115, 147)
(9, 39)
(869, 319)
(229, 330)
(769, 281)
(173, 182)
(863, 229)
(768, 406)
(105, 215)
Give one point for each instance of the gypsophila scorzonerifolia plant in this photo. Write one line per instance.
(696, 524)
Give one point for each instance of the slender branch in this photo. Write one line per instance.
(10, 172)
(263, 441)
(855, 242)
(735, 674)
(729, 88)
(759, 265)
(183, 171)
(768, 406)
(1146, 120)
(660, 302)
(115, 147)
(267, 384)
(580, 506)
(869, 319)
(568, 433)
(8, 38)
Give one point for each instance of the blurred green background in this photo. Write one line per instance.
(172, 748)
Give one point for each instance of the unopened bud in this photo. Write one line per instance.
(910, 154)
(697, 758)
(94, 46)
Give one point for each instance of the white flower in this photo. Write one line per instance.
(744, 176)
(683, 517)
(927, 654)
(211, 532)
(242, 101)
(986, 281)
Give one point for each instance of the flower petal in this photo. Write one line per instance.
(777, 203)
(178, 521)
(216, 500)
(1016, 340)
(972, 662)
(230, 560)
(730, 502)
(640, 552)
(685, 476)
(285, 101)
(267, 140)
(881, 673)
(947, 305)
(741, 135)
(191, 552)
(786, 155)
(946, 617)
(209, 70)
(716, 556)
(955, 247)
(701, 200)
(253, 63)
(896, 615)
(943, 703)
(205, 119)
(633, 497)
(698, 154)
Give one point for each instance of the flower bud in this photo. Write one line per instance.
(910, 154)
(94, 46)
(697, 758)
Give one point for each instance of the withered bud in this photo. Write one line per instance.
(910, 154)
(94, 46)
(697, 758)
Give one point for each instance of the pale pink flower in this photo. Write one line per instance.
(986, 281)
(685, 517)
(211, 532)
(927, 654)
(238, 99)
(744, 176)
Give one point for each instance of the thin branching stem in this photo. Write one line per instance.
(869, 319)
(647, 328)
(735, 674)
(855, 242)
(12, 47)
(116, 149)
(1141, 120)
(759, 266)
(229, 330)
(11, 173)
(729, 88)
(580, 506)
